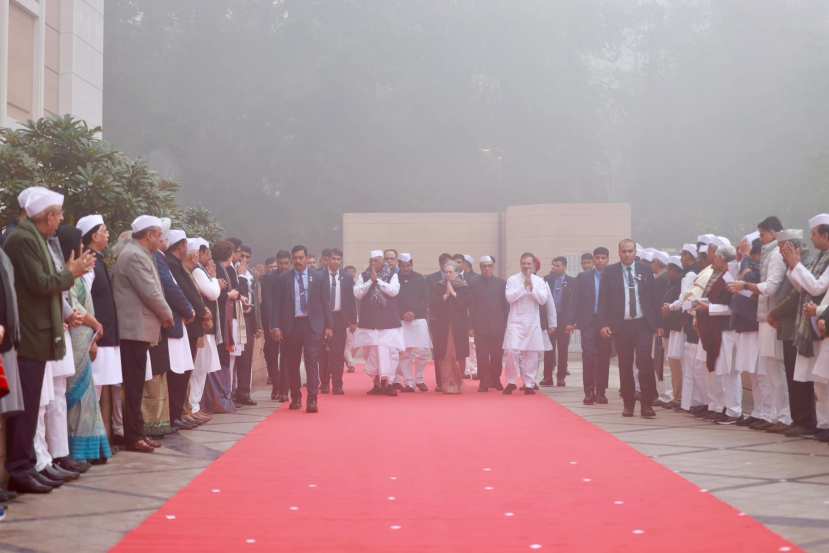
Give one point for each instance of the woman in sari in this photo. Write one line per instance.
(450, 327)
(88, 440)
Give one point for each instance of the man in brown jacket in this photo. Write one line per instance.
(38, 285)
(142, 311)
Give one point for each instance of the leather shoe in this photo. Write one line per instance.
(588, 399)
(822, 435)
(799, 432)
(390, 391)
(509, 389)
(46, 481)
(340, 392)
(547, 383)
(28, 484)
(778, 428)
(648, 413)
(183, 425)
(312, 405)
(152, 443)
(601, 399)
(499, 387)
(141, 446)
(70, 464)
(627, 412)
(325, 390)
(295, 405)
(282, 398)
(7, 495)
(57, 473)
(560, 383)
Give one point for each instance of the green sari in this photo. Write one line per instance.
(87, 435)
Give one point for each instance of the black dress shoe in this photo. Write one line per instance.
(274, 396)
(797, 431)
(282, 398)
(312, 405)
(822, 435)
(547, 383)
(560, 383)
(627, 412)
(7, 495)
(295, 405)
(745, 421)
(423, 387)
(499, 387)
(376, 390)
(28, 484)
(588, 399)
(648, 413)
(46, 481)
(509, 389)
(70, 464)
(183, 425)
(340, 392)
(56, 473)
(601, 399)
(247, 401)
(324, 390)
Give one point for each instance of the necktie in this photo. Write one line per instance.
(333, 290)
(632, 293)
(303, 294)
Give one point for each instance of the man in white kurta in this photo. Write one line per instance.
(413, 304)
(379, 336)
(771, 372)
(526, 293)
(813, 283)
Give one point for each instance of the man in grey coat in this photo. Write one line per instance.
(142, 312)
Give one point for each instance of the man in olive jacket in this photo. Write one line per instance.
(39, 286)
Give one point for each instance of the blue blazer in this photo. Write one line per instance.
(182, 309)
(282, 303)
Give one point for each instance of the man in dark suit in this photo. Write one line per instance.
(628, 311)
(488, 317)
(271, 347)
(563, 288)
(340, 288)
(585, 316)
(304, 320)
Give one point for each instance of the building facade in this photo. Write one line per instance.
(546, 230)
(51, 60)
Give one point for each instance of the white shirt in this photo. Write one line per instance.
(335, 280)
(772, 272)
(391, 288)
(208, 287)
(628, 289)
(803, 279)
(524, 322)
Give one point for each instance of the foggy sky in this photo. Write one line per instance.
(279, 116)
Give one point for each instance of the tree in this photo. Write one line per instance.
(66, 155)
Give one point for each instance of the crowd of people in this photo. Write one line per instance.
(166, 324)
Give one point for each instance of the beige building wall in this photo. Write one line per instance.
(547, 230)
(550, 230)
(424, 235)
(51, 60)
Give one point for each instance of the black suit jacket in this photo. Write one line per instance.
(348, 305)
(583, 299)
(565, 313)
(612, 297)
(319, 312)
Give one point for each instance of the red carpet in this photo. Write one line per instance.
(428, 472)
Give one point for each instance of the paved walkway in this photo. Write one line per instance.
(782, 482)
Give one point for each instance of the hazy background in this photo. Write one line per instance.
(280, 115)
